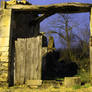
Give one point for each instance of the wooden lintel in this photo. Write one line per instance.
(58, 8)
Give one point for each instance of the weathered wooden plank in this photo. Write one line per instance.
(16, 78)
(39, 43)
(61, 7)
(29, 60)
(51, 44)
(20, 61)
(33, 60)
(39, 57)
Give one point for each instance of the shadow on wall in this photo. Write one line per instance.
(52, 68)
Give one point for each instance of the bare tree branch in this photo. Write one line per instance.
(60, 34)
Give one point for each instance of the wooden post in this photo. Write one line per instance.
(90, 45)
(51, 44)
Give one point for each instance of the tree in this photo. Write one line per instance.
(84, 40)
(63, 26)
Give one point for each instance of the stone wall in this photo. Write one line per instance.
(5, 18)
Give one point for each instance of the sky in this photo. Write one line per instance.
(46, 2)
(82, 18)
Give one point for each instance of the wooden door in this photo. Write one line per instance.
(28, 59)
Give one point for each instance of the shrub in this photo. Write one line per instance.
(87, 85)
(85, 77)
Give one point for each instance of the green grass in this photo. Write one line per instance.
(85, 77)
(87, 85)
(76, 87)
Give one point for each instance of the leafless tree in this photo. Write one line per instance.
(84, 40)
(63, 26)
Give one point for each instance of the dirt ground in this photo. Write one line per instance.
(50, 89)
(45, 88)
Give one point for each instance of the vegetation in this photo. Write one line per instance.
(76, 87)
(75, 55)
(24, 88)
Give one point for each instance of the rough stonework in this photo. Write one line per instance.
(5, 18)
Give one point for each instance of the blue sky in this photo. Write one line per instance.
(82, 18)
(45, 2)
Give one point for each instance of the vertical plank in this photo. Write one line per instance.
(33, 60)
(29, 60)
(17, 63)
(15, 69)
(36, 57)
(91, 43)
(20, 61)
(39, 57)
(26, 64)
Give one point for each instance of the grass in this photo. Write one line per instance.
(24, 88)
(87, 85)
(76, 87)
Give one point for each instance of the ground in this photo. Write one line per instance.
(48, 88)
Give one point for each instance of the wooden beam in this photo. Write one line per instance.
(56, 8)
(42, 17)
(91, 44)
